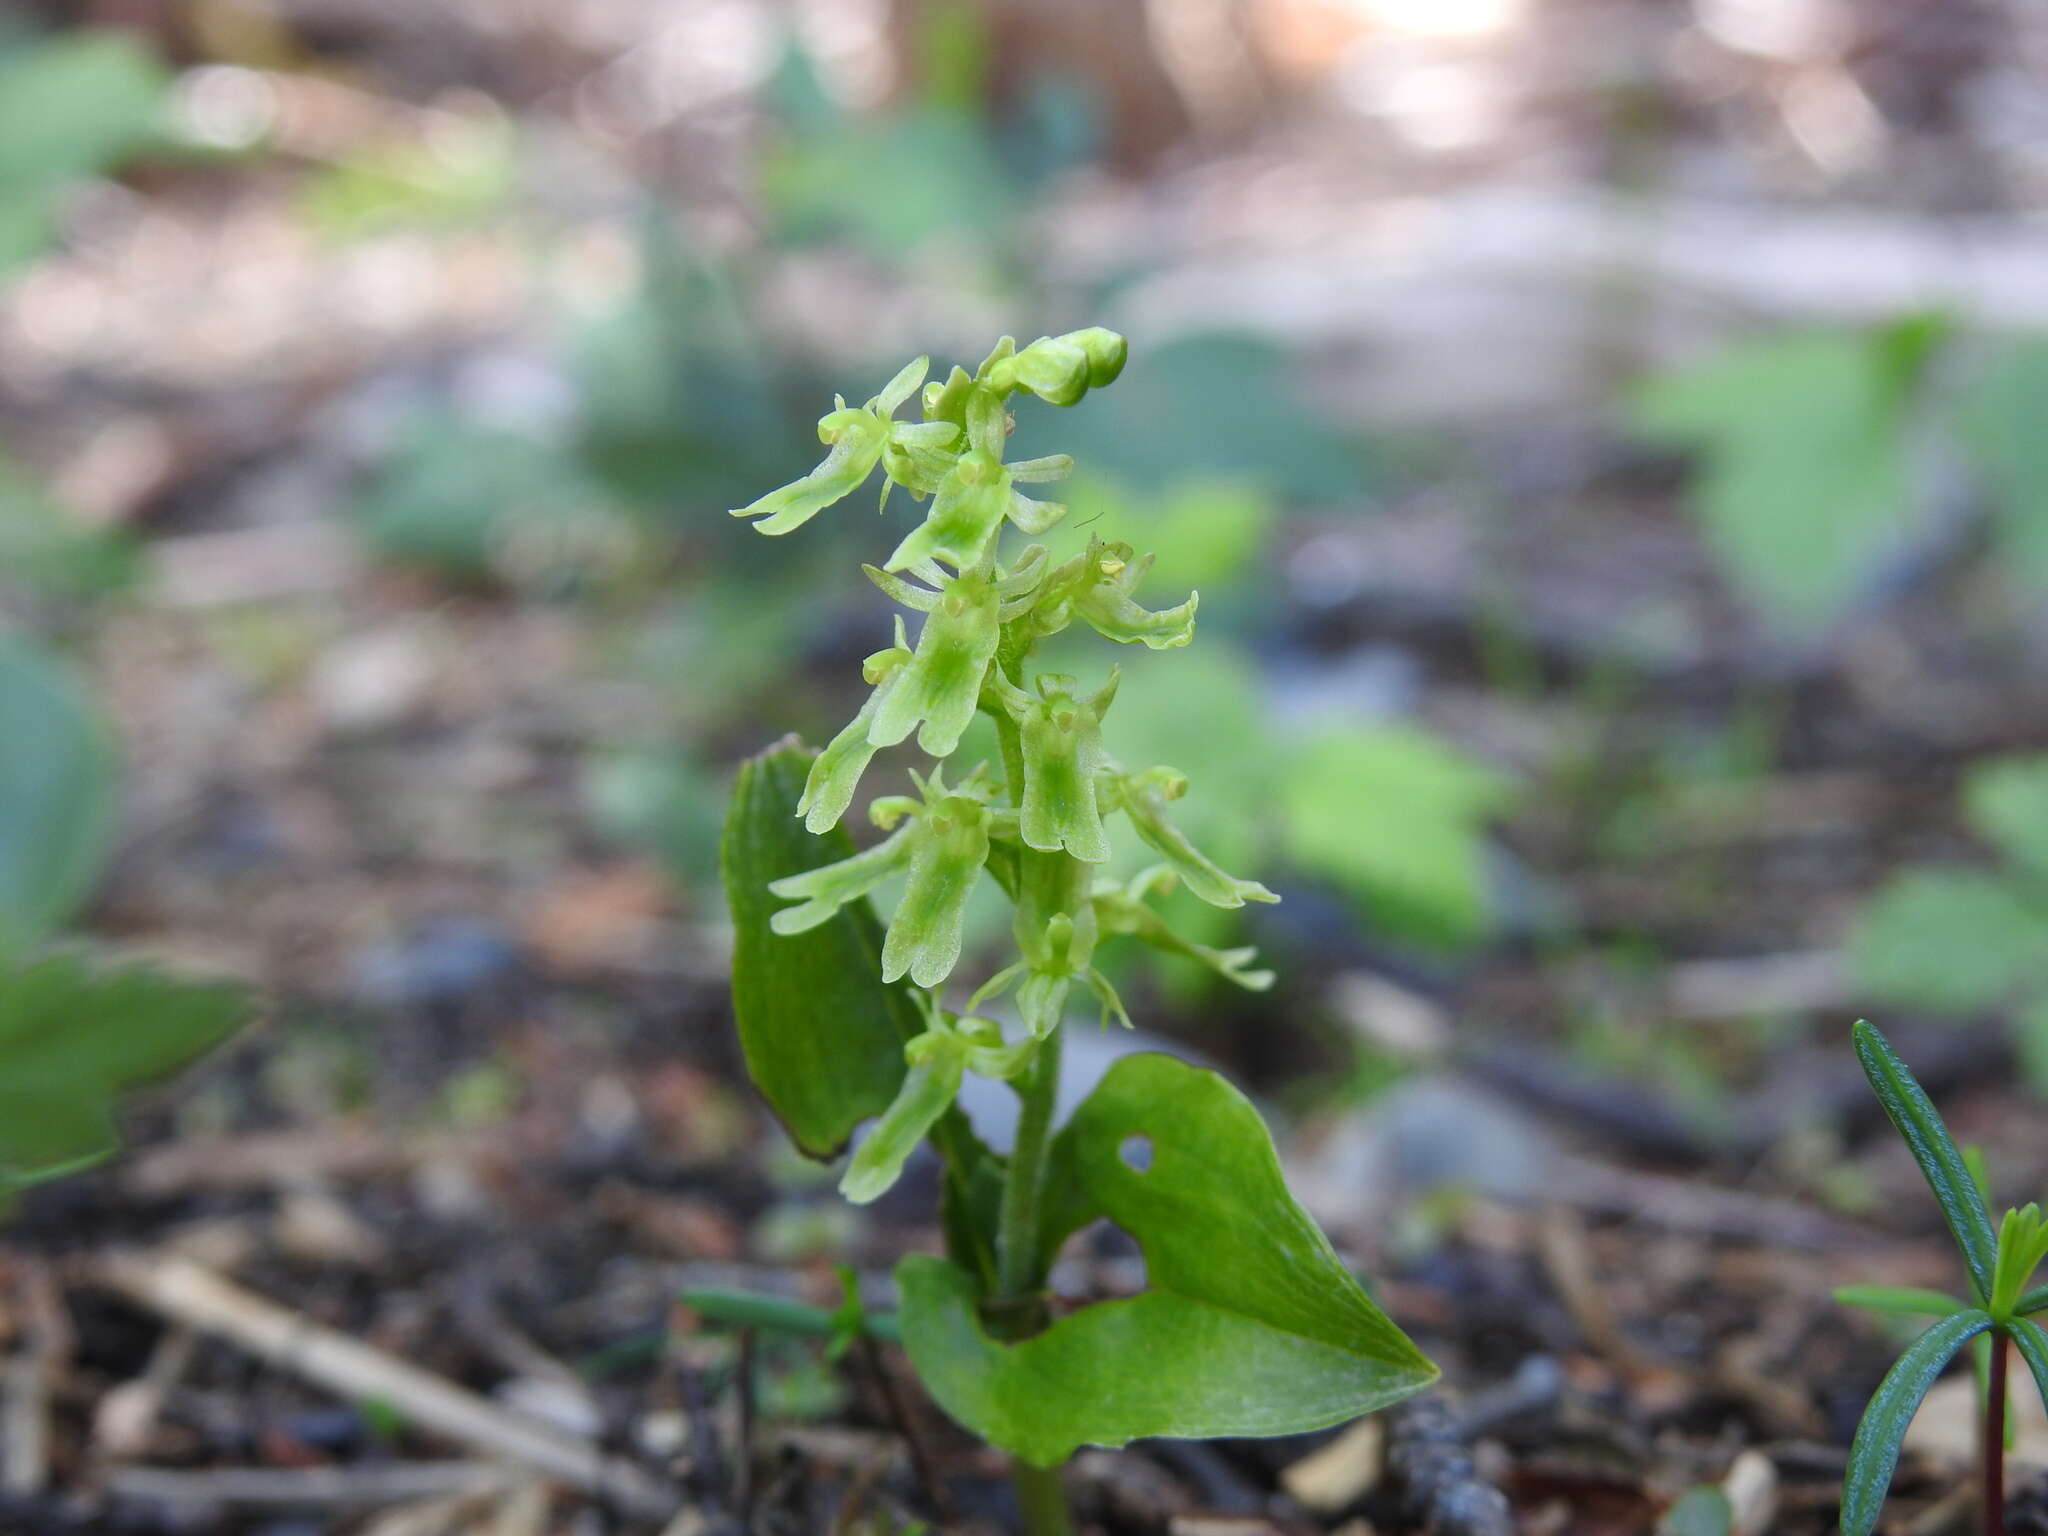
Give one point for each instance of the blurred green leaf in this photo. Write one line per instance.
(891, 184)
(45, 551)
(1802, 478)
(1699, 1511)
(57, 795)
(1955, 939)
(76, 1034)
(659, 799)
(1398, 818)
(457, 177)
(476, 503)
(1998, 422)
(2007, 802)
(823, 1035)
(1250, 1325)
(70, 107)
(678, 405)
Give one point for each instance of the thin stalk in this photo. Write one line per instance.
(1994, 1439)
(1042, 1499)
(1017, 1234)
(1017, 1310)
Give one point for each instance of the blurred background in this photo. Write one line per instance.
(1607, 436)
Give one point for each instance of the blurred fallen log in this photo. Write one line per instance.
(190, 1294)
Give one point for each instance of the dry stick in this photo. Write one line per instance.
(743, 1457)
(188, 1293)
(912, 1431)
(307, 1487)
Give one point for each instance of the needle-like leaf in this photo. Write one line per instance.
(1875, 1454)
(1901, 1300)
(2032, 1342)
(1941, 1163)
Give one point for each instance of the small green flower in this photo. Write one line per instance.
(937, 1059)
(947, 853)
(939, 844)
(1123, 909)
(949, 1047)
(835, 772)
(1143, 797)
(1061, 737)
(1055, 957)
(1096, 588)
(978, 492)
(860, 437)
(941, 685)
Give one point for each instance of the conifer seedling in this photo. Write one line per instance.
(1998, 1311)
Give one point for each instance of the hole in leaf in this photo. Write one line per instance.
(1136, 1153)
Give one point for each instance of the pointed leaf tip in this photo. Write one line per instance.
(1941, 1163)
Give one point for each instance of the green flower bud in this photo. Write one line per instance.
(1054, 369)
(1106, 352)
(941, 684)
(1143, 797)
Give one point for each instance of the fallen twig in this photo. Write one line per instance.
(365, 1487)
(193, 1295)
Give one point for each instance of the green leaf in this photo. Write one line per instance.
(1998, 422)
(1251, 1324)
(2032, 1342)
(1950, 939)
(1906, 1102)
(72, 106)
(2007, 801)
(1802, 484)
(1875, 1453)
(1699, 1511)
(1397, 817)
(2032, 1301)
(74, 1035)
(1900, 1300)
(57, 795)
(823, 1036)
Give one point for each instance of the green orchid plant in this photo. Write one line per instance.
(1999, 1310)
(1250, 1324)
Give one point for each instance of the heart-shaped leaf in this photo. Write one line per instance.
(822, 1035)
(74, 1035)
(56, 796)
(1251, 1326)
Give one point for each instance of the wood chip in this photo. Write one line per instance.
(1341, 1471)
